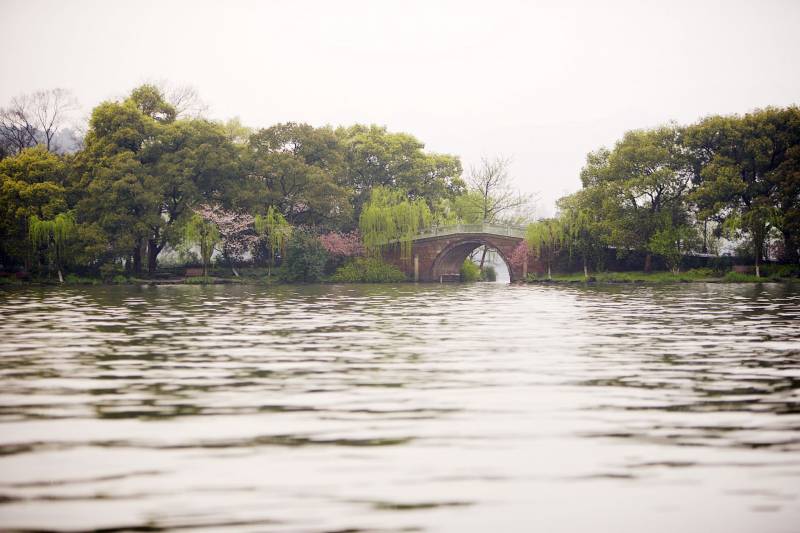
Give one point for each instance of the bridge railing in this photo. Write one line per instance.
(485, 227)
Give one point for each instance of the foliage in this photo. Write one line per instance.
(342, 244)
(203, 233)
(390, 218)
(277, 231)
(236, 230)
(545, 238)
(305, 258)
(368, 270)
(469, 271)
(489, 273)
(672, 243)
(52, 236)
(519, 256)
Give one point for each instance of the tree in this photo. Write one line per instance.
(297, 169)
(305, 258)
(545, 238)
(747, 174)
(581, 218)
(36, 118)
(236, 231)
(672, 243)
(204, 234)
(491, 196)
(390, 218)
(644, 183)
(374, 157)
(33, 183)
(51, 237)
(277, 231)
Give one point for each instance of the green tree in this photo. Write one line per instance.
(374, 157)
(305, 258)
(644, 181)
(277, 232)
(51, 237)
(298, 169)
(204, 234)
(545, 239)
(33, 183)
(582, 220)
(746, 174)
(390, 218)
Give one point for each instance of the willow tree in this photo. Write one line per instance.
(202, 233)
(582, 224)
(545, 239)
(277, 231)
(51, 237)
(390, 218)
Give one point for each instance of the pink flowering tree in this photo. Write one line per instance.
(340, 247)
(236, 231)
(519, 256)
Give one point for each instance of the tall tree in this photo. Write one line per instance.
(645, 180)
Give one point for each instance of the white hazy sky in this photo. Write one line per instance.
(542, 82)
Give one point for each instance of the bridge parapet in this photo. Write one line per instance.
(504, 230)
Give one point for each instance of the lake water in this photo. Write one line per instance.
(401, 408)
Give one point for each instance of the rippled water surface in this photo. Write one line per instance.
(401, 408)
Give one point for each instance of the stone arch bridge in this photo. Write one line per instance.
(437, 253)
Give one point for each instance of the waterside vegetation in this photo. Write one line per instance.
(154, 193)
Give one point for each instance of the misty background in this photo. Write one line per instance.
(541, 82)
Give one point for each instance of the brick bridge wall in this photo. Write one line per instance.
(440, 258)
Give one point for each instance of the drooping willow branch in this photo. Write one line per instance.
(390, 217)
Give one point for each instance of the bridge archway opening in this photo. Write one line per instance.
(447, 265)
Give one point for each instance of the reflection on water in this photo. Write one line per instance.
(401, 408)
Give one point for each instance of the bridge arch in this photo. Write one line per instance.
(447, 264)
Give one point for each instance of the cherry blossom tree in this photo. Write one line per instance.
(236, 230)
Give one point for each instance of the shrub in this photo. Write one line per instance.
(119, 279)
(368, 270)
(199, 280)
(470, 271)
(489, 274)
(305, 258)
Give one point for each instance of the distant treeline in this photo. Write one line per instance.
(149, 175)
(677, 189)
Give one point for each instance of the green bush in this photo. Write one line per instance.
(199, 280)
(470, 271)
(489, 274)
(119, 279)
(305, 258)
(368, 270)
(782, 271)
(74, 279)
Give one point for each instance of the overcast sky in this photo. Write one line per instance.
(542, 82)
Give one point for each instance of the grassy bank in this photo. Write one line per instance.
(690, 276)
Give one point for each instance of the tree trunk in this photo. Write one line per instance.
(137, 258)
(153, 249)
(60, 277)
(789, 249)
(648, 262)
(483, 258)
(548, 271)
(585, 269)
(758, 269)
(705, 236)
